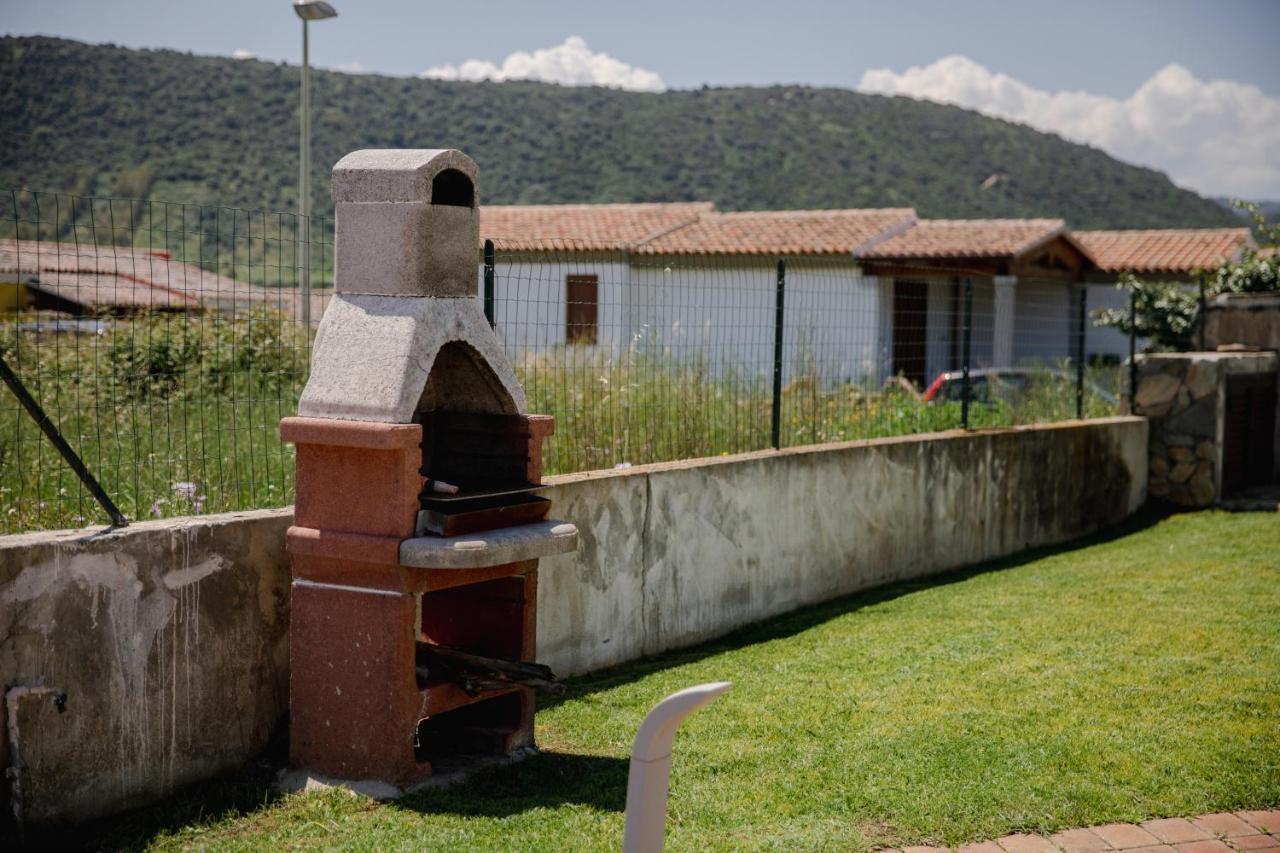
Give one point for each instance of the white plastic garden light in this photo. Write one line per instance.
(650, 774)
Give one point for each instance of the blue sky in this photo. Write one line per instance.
(1075, 68)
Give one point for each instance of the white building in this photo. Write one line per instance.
(868, 293)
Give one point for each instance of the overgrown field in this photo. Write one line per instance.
(179, 415)
(1114, 681)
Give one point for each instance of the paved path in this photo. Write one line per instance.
(1224, 832)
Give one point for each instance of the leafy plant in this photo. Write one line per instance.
(261, 347)
(149, 357)
(1168, 313)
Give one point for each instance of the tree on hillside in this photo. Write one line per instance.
(1169, 313)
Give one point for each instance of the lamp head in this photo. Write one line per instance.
(314, 10)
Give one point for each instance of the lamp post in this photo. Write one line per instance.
(308, 11)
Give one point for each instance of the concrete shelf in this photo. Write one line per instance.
(490, 548)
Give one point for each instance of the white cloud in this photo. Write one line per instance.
(350, 68)
(1217, 137)
(241, 53)
(571, 64)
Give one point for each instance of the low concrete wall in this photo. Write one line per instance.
(677, 553)
(143, 659)
(139, 660)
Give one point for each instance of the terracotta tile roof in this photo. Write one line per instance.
(782, 232)
(1181, 250)
(966, 238)
(106, 276)
(583, 227)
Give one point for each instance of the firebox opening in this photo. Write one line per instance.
(462, 381)
(452, 187)
(489, 618)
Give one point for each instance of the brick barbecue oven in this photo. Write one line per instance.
(417, 530)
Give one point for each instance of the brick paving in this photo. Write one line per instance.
(1221, 832)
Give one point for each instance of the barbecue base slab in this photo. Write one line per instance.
(447, 773)
(491, 547)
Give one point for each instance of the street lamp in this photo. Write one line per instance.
(308, 11)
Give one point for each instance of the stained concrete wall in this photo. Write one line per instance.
(137, 661)
(677, 553)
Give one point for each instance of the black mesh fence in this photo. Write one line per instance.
(164, 343)
(647, 358)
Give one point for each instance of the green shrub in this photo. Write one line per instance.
(148, 358)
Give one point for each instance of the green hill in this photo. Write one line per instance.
(170, 125)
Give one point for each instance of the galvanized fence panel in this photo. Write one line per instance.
(646, 358)
(161, 341)
(164, 342)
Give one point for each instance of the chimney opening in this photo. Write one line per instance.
(452, 187)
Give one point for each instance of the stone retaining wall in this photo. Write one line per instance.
(1184, 395)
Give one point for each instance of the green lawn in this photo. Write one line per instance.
(1119, 680)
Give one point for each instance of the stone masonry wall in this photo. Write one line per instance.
(1184, 396)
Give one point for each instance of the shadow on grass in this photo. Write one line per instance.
(544, 780)
(232, 795)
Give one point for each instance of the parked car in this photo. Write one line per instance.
(988, 384)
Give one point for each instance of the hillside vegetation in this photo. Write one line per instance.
(170, 125)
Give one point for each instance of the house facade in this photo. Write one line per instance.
(868, 293)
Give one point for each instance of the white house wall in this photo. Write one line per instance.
(529, 303)
(717, 314)
(982, 338)
(1043, 322)
(722, 314)
(940, 353)
(832, 323)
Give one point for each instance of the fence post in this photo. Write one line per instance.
(488, 282)
(966, 390)
(51, 432)
(1204, 315)
(1133, 349)
(1080, 336)
(776, 424)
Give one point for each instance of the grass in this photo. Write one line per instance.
(1118, 680)
(179, 415)
(173, 416)
(640, 408)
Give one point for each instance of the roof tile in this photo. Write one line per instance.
(583, 227)
(781, 232)
(1174, 250)
(965, 238)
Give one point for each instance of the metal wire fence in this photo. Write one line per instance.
(163, 343)
(160, 341)
(649, 358)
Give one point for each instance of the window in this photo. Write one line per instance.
(582, 308)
